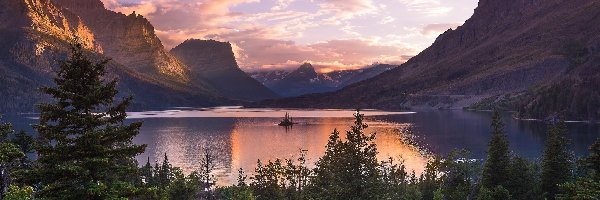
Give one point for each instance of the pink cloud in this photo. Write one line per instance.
(270, 34)
(325, 56)
(427, 7)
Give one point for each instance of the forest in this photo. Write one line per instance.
(83, 149)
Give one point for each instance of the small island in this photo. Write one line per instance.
(287, 121)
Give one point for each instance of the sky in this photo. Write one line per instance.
(283, 34)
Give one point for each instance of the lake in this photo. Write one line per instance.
(239, 137)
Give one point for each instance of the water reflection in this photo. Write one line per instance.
(241, 136)
(240, 142)
(442, 131)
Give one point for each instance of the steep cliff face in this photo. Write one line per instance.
(35, 36)
(508, 51)
(128, 39)
(215, 62)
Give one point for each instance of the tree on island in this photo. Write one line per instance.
(85, 150)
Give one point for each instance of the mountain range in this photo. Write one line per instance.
(305, 80)
(35, 36)
(537, 57)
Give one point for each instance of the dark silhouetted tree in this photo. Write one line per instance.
(459, 175)
(592, 162)
(522, 180)
(9, 154)
(557, 161)
(85, 149)
(429, 181)
(349, 168)
(497, 164)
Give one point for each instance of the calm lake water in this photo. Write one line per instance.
(242, 136)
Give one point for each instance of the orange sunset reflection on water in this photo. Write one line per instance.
(240, 142)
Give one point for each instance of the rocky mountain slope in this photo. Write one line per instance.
(35, 36)
(214, 62)
(539, 57)
(305, 80)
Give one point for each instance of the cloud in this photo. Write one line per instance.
(266, 34)
(344, 10)
(387, 20)
(144, 8)
(427, 7)
(281, 4)
(326, 56)
(436, 29)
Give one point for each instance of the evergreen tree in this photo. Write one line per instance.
(21, 170)
(459, 175)
(522, 177)
(146, 173)
(268, 180)
(429, 181)
(587, 185)
(85, 149)
(9, 153)
(163, 173)
(497, 164)
(497, 193)
(557, 161)
(592, 162)
(349, 169)
(25, 143)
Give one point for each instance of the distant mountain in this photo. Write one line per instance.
(35, 36)
(269, 78)
(214, 62)
(305, 80)
(538, 57)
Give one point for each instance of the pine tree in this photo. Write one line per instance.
(163, 173)
(592, 162)
(25, 143)
(429, 181)
(557, 161)
(349, 169)
(85, 149)
(522, 177)
(459, 175)
(146, 173)
(497, 165)
(9, 153)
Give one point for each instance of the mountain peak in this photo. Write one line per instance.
(519, 53)
(215, 62)
(205, 44)
(306, 65)
(306, 69)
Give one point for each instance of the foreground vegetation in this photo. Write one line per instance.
(84, 150)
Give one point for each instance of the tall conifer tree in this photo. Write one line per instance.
(497, 165)
(557, 161)
(349, 169)
(592, 162)
(85, 149)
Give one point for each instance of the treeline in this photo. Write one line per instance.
(84, 150)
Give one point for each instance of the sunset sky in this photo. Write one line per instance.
(282, 34)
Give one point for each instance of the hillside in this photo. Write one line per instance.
(35, 35)
(538, 57)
